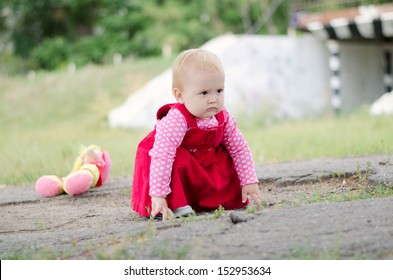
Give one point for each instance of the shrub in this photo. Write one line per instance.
(51, 53)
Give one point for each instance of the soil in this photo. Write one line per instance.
(301, 217)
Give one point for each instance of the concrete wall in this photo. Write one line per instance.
(362, 73)
(277, 75)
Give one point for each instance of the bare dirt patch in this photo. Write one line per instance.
(104, 206)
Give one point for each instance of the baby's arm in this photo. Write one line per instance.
(169, 135)
(170, 132)
(159, 205)
(240, 152)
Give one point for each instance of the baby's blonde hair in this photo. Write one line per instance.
(197, 58)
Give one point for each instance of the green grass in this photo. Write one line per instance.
(307, 253)
(363, 192)
(44, 120)
(352, 134)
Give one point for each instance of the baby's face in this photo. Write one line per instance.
(203, 92)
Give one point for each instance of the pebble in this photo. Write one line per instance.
(237, 217)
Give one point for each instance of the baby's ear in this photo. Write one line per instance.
(178, 94)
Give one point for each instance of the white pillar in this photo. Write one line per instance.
(335, 81)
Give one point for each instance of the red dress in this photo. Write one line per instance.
(203, 173)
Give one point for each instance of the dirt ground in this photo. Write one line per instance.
(112, 205)
(298, 220)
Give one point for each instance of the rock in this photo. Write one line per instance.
(238, 217)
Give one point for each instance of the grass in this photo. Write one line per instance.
(44, 120)
(365, 192)
(307, 253)
(352, 134)
(362, 192)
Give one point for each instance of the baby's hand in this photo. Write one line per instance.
(159, 205)
(251, 190)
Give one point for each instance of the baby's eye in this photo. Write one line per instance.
(204, 92)
(220, 90)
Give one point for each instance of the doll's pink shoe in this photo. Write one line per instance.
(49, 185)
(78, 182)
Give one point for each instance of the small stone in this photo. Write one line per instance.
(237, 217)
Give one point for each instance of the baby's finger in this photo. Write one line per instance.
(164, 215)
(244, 195)
(154, 211)
(167, 214)
(256, 197)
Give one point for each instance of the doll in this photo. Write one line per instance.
(91, 169)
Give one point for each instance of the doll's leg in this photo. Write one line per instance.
(80, 181)
(49, 185)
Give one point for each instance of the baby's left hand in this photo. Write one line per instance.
(251, 190)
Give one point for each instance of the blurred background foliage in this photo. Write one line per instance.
(50, 34)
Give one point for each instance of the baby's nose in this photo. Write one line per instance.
(212, 99)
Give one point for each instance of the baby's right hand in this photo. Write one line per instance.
(159, 205)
